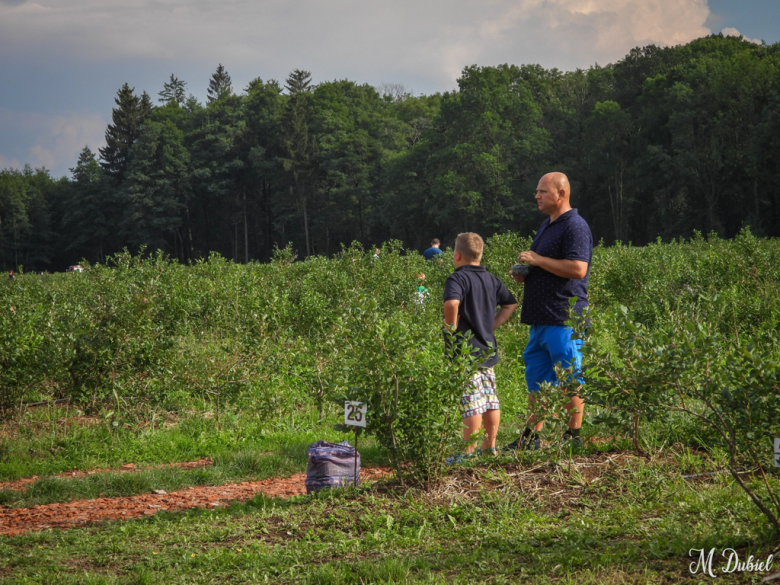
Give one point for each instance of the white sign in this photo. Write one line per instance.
(355, 414)
(777, 445)
(777, 459)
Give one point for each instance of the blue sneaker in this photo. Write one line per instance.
(458, 458)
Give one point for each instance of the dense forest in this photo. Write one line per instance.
(663, 143)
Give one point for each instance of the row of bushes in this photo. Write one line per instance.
(291, 335)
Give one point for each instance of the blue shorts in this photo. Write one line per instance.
(550, 345)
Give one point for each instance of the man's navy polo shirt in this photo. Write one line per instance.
(431, 252)
(479, 293)
(546, 296)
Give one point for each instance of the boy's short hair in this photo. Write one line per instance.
(470, 246)
(435, 242)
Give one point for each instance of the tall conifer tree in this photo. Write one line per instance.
(173, 91)
(127, 118)
(220, 85)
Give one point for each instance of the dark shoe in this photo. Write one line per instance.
(573, 442)
(528, 444)
(532, 444)
(512, 446)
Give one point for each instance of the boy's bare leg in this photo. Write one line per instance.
(472, 424)
(490, 419)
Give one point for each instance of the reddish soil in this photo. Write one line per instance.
(21, 484)
(82, 512)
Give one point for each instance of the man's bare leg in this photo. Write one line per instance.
(531, 422)
(574, 407)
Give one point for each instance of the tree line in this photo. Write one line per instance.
(660, 144)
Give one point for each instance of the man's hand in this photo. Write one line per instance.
(518, 278)
(529, 257)
(573, 269)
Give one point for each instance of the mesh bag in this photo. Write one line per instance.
(330, 465)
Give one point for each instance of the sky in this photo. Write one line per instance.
(62, 61)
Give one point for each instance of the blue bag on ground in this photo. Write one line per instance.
(331, 465)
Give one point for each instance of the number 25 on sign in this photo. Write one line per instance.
(355, 414)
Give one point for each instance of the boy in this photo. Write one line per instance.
(422, 292)
(471, 295)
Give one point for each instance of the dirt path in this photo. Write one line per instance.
(20, 484)
(82, 512)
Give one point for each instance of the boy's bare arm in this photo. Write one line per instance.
(451, 314)
(503, 315)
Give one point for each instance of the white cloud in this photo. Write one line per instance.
(54, 141)
(431, 39)
(730, 31)
(423, 44)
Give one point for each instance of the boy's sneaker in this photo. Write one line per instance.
(458, 459)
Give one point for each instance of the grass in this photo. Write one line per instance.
(540, 518)
(501, 531)
(242, 447)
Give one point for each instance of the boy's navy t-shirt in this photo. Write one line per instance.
(479, 293)
(546, 296)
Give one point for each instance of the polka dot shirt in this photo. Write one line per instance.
(546, 296)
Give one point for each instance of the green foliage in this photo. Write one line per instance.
(412, 391)
(665, 143)
(291, 337)
(727, 386)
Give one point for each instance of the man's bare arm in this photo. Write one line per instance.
(575, 269)
(503, 315)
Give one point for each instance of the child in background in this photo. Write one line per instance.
(422, 292)
(471, 295)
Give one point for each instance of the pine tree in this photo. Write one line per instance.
(298, 144)
(127, 118)
(298, 81)
(173, 91)
(85, 225)
(220, 85)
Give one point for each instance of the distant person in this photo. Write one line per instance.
(376, 253)
(422, 293)
(433, 251)
(560, 257)
(11, 275)
(471, 295)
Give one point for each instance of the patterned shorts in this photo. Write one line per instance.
(479, 394)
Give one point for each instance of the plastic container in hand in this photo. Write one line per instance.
(521, 269)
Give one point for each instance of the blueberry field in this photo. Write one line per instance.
(148, 361)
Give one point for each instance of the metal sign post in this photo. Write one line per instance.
(777, 452)
(355, 416)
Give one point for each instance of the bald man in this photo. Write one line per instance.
(560, 258)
